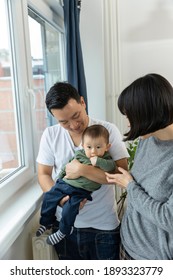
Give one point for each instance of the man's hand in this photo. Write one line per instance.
(66, 198)
(73, 169)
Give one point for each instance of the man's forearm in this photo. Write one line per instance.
(93, 173)
(97, 175)
(46, 182)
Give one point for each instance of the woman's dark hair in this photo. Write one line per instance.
(95, 131)
(148, 105)
(59, 95)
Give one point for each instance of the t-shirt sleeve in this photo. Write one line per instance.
(45, 154)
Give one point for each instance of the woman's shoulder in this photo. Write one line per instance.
(156, 147)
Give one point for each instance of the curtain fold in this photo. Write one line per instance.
(75, 66)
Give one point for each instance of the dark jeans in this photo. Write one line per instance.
(89, 244)
(70, 209)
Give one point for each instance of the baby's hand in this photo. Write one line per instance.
(93, 160)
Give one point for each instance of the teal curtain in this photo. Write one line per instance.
(75, 66)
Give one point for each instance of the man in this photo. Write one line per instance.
(96, 231)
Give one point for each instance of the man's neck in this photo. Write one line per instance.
(76, 138)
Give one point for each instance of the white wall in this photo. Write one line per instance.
(146, 38)
(144, 44)
(22, 247)
(91, 26)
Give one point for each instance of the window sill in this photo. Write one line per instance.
(5, 172)
(16, 212)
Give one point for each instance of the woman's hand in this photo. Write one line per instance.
(122, 179)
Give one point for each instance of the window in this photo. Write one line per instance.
(47, 65)
(31, 60)
(11, 148)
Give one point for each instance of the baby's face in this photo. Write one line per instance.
(95, 147)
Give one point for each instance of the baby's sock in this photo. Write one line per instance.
(41, 230)
(55, 238)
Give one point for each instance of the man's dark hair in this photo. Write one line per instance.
(59, 95)
(148, 105)
(95, 131)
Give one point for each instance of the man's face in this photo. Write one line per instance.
(73, 116)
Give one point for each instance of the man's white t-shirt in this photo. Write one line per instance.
(57, 148)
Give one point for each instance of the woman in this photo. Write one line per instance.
(147, 225)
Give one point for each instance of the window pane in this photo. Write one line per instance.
(54, 55)
(38, 72)
(10, 154)
(45, 41)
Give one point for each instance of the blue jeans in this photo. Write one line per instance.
(70, 208)
(89, 244)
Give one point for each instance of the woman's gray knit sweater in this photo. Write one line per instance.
(147, 225)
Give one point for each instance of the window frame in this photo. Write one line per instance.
(20, 194)
(14, 181)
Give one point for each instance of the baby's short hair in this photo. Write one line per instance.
(95, 131)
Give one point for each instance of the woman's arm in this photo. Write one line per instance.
(160, 213)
